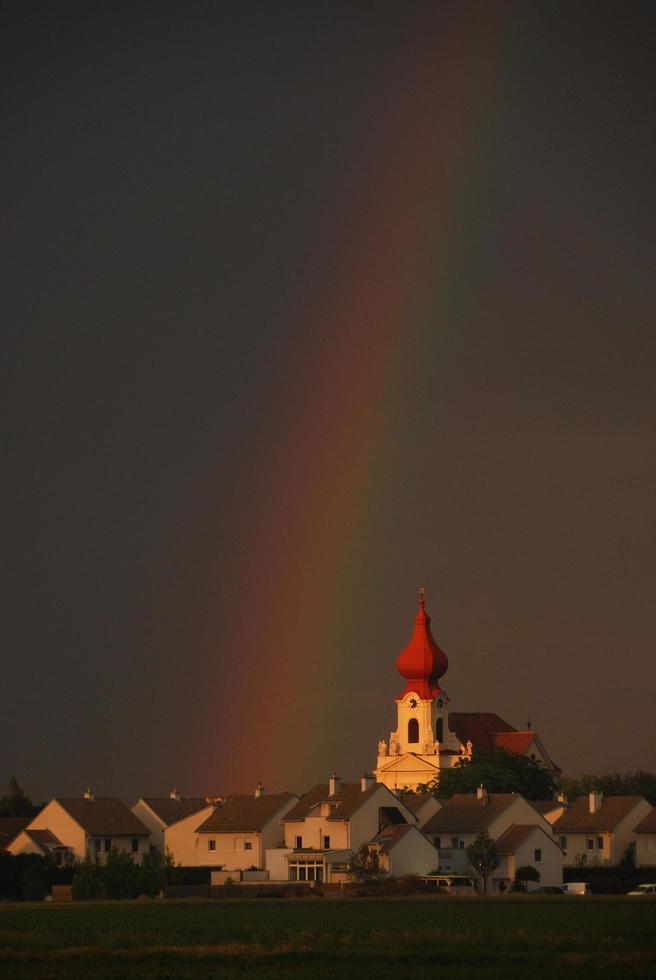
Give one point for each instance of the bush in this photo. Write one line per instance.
(87, 881)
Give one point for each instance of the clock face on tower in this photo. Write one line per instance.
(412, 703)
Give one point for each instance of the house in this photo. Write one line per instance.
(158, 813)
(599, 830)
(645, 833)
(429, 736)
(551, 810)
(527, 844)
(463, 817)
(233, 835)
(10, 827)
(72, 829)
(329, 822)
(402, 850)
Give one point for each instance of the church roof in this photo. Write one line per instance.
(465, 812)
(479, 728)
(345, 802)
(170, 810)
(244, 812)
(518, 742)
(422, 662)
(648, 825)
(577, 819)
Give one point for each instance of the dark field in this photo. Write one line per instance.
(342, 938)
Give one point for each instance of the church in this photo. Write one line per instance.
(430, 736)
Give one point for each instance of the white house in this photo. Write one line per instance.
(402, 850)
(645, 833)
(599, 830)
(74, 828)
(233, 835)
(527, 844)
(463, 817)
(158, 813)
(328, 823)
(429, 736)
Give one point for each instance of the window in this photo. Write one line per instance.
(211, 845)
(439, 730)
(306, 870)
(326, 842)
(248, 845)
(438, 842)
(590, 843)
(600, 843)
(135, 845)
(298, 843)
(413, 730)
(563, 844)
(537, 855)
(108, 844)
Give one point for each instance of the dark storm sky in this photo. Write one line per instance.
(168, 174)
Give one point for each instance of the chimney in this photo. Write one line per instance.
(174, 795)
(259, 789)
(88, 794)
(481, 794)
(367, 782)
(334, 784)
(595, 799)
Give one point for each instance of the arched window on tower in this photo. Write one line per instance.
(413, 730)
(439, 730)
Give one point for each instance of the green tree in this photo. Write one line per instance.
(483, 857)
(500, 772)
(638, 783)
(523, 874)
(153, 872)
(120, 875)
(364, 865)
(87, 879)
(15, 803)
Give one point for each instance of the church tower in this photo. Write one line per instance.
(422, 743)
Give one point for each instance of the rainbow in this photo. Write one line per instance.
(392, 246)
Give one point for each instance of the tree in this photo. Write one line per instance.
(87, 880)
(483, 857)
(15, 803)
(639, 783)
(364, 865)
(523, 874)
(500, 772)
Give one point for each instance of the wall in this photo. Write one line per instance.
(412, 855)
(646, 850)
(364, 824)
(184, 844)
(53, 817)
(152, 821)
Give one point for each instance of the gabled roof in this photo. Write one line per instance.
(577, 819)
(516, 834)
(518, 742)
(478, 727)
(389, 837)
(44, 838)
(465, 813)
(648, 824)
(11, 827)
(545, 806)
(242, 812)
(103, 817)
(171, 810)
(346, 801)
(415, 801)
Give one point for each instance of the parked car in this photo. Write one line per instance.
(649, 889)
(577, 888)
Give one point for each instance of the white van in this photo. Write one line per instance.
(577, 888)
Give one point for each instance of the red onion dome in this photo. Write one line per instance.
(422, 662)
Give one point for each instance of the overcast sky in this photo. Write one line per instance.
(192, 192)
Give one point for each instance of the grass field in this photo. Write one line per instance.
(379, 938)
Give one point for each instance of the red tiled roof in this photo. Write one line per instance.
(478, 727)
(577, 819)
(648, 824)
(465, 813)
(242, 812)
(517, 742)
